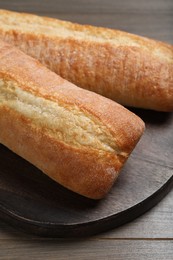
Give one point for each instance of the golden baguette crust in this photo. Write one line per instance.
(132, 70)
(89, 170)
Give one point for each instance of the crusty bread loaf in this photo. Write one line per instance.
(78, 138)
(129, 69)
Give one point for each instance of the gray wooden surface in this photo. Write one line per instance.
(151, 235)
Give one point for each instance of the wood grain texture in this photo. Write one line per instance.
(160, 218)
(86, 249)
(89, 6)
(155, 224)
(154, 229)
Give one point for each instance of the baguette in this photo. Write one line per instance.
(132, 70)
(78, 138)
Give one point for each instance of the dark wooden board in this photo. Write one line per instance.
(34, 203)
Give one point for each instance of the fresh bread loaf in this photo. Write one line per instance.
(129, 69)
(78, 138)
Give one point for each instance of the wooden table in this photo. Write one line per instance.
(151, 235)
